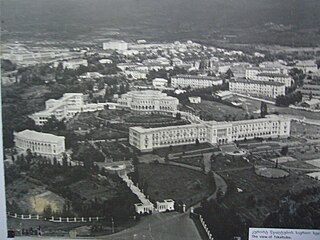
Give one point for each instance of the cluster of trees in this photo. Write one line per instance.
(292, 98)
(7, 65)
(298, 76)
(204, 93)
(222, 222)
(162, 73)
(297, 211)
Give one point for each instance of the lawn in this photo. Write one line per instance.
(209, 110)
(117, 151)
(267, 192)
(178, 183)
(185, 148)
(106, 133)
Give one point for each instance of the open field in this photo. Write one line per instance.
(253, 107)
(31, 197)
(167, 181)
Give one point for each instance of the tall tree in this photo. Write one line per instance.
(263, 109)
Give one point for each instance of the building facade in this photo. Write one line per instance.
(257, 88)
(64, 108)
(193, 81)
(149, 101)
(147, 139)
(47, 145)
(275, 77)
(159, 83)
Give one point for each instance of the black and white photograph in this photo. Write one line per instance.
(160, 119)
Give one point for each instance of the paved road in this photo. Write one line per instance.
(166, 226)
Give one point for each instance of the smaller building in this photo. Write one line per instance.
(307, 66)
(105, 61)
(194, 81)
(166, 205)
(312, 104)
(257, 88)
(72, 63)
(159, 83)
(143, 208)
(195, 100)
(223, 95)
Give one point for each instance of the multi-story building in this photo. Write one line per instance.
(275, 77)
(307, 66)
(252, 72)
(257, 88)
(193, 81)
(149, 101)
(147, 139)
(310, 88)
(63, 108)
(44, 144)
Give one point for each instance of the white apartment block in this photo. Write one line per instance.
(257, 88)
(147, 139)
(193, 81)
(64, 108)
(252, 72)
(47, 145)
(275, 77)
(149, 101)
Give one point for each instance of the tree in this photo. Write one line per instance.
(263, 109)
(229, 74)
(284, 150)
(178, 116)
(122, 89)
(318, 63)
(64, 160)
(47, 211)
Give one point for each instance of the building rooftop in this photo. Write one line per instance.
(39, 136)
(265, 74)
(257, 82)
(197, 77)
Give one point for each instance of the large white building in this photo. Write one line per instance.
(147, 139)
(64, 108)
(149, 101)
(193, 81)
(257, 88)
(252, 72)
(115, 45)
(44, 144)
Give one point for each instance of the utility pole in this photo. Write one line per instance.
(112, 225)
(3, 211)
